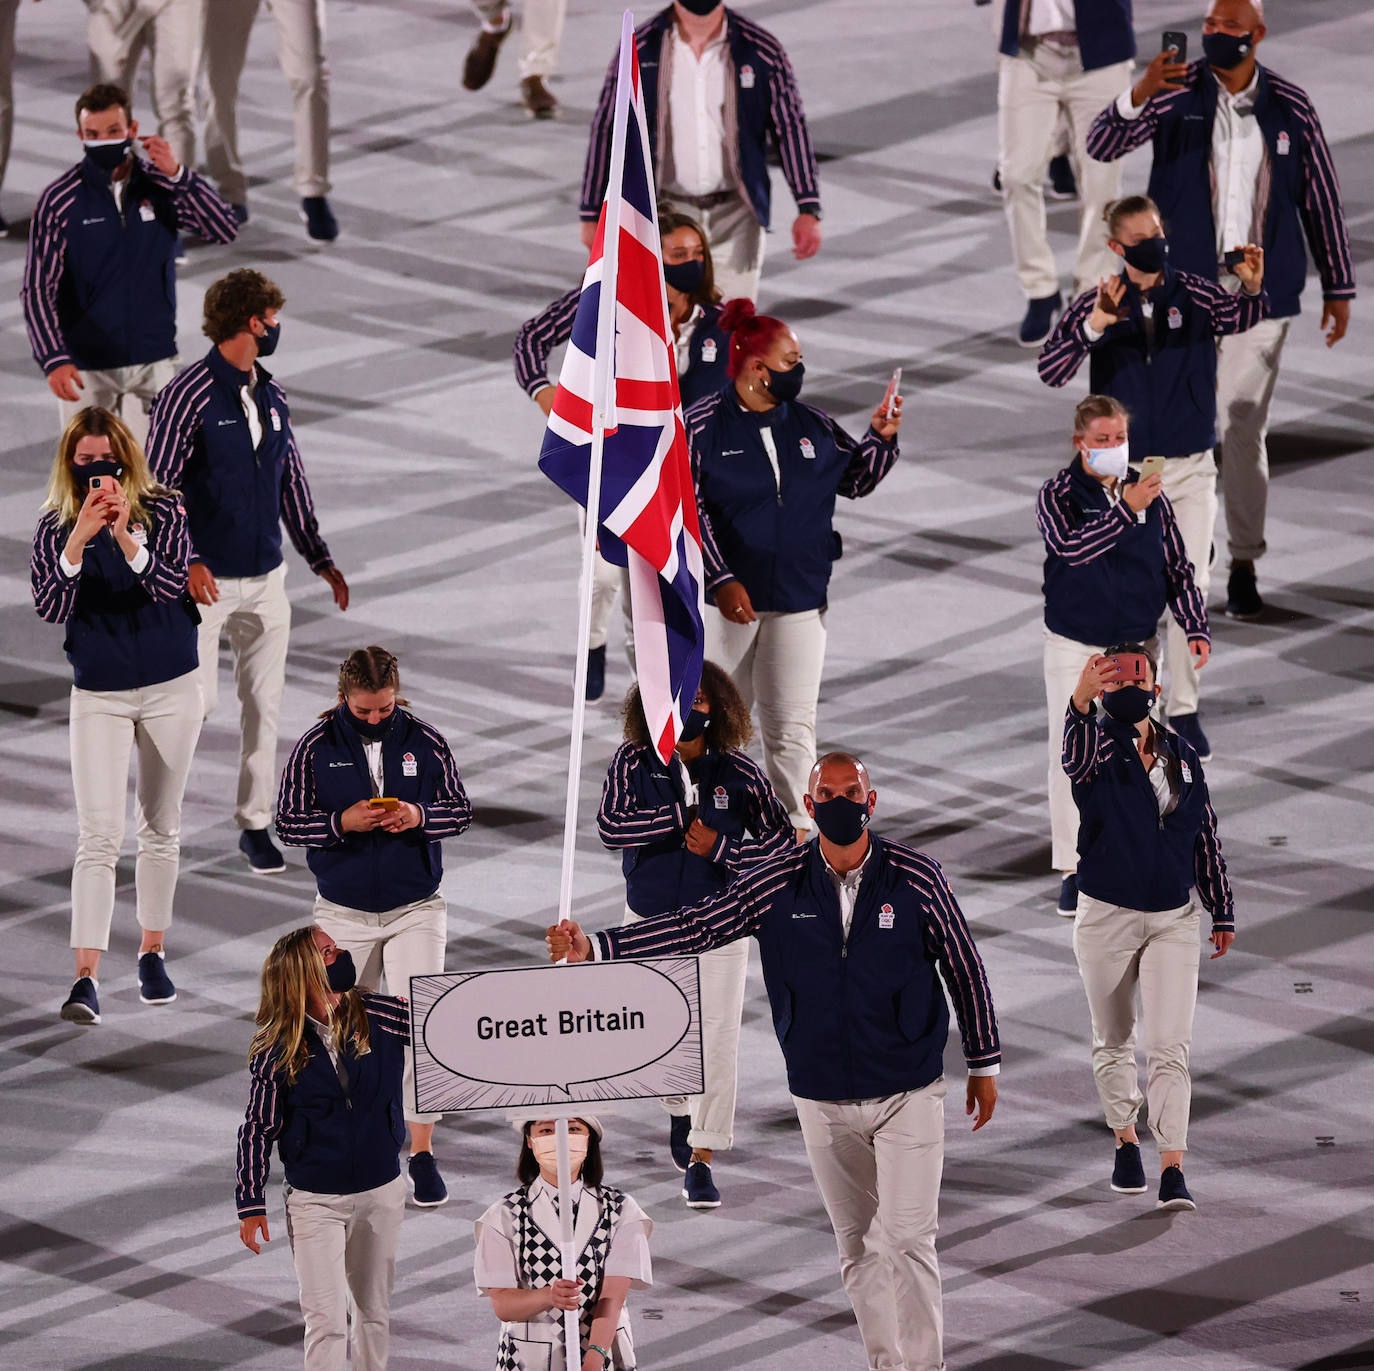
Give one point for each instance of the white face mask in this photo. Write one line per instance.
(545, 1149)
(1109, 461)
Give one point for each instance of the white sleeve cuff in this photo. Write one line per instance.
(595, 940)
(1125, 108)
(69, 569)
(138, 563)
(985, 1070)
(1090, 333)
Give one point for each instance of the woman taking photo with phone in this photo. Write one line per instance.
(371, 791)
(324, 1070)
(109, 563)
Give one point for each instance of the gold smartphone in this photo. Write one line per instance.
(1150, 466)
(384, 802)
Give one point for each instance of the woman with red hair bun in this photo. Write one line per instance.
(768, 468)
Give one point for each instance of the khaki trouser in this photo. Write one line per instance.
(120, 31)
(9, 12)
(300, 50)
(1034, 89)
(877, 1165)
(256, 614)
(542, 31)
(399, 943)
(737, 243)
(1247, 368)
(128, 392)
(1118, 951)
(163, 722)
(778, 660)
(1191, 485)
(344, 1248)
(722, 971)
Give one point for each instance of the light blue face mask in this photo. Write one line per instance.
(1109, 461)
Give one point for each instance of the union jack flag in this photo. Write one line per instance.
(619, 379)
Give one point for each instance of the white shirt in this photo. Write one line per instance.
(1237, 159)
(248, 399)
(696, 115)
(689, 786)
(326, 1035)
(137, 563)
(847, 888)
(1051, 16)
(682, 343)
(373, 752)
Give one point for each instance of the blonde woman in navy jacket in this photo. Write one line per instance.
(379, 866)
(109, 563)
(686, 831)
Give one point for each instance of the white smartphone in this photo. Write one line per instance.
(1151, 466)
(892, 386)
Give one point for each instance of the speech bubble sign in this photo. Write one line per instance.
(604, 1030)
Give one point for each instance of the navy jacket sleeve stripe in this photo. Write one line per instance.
(173, 424)
(300, 820)
(871, 458)
(768, 825)
(597, 170)
(297, 508)
(199, 208)
(697, 419)
(169, 549)
(1080, 757)
(793, 139)
(262, 1124)
(451, 813)
(43, 269)
(1067, 346)
(54, 592)
(1209, 873)
(621, 820)
(539, 336)
(1091, 538)
(1230, 311)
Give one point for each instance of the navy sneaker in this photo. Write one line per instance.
(698, 1189)
(1242, 593)
(1063, 183)
(596, 672)
(154, 984)
(1039, 320)
(1068, 896)
(426, 1181)
(82, 1005)
(320, 223)
(264, 856)
(240, 213)
(1189, 727)
(679, 1126)
(1128, 1172)
(1173, 1194)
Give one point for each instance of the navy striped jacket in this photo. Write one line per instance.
(858, 1017)
(333, 1139)
(774, 532)
(237, 496)
(1297, 193)
(328, 772)
(1108, 573)
(1165, 374)
(708, 351)
(768, 106)
(1103, 27)
(100, 284)
(1128, 853)
(644, 813)
(125, 628)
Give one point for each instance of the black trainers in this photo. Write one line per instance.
(1068, 896)
(1242, 594)
(426, 1182)
(1173, 1194)
(1039, 320)
(698, 1189)
(82, 1005)
(596, 672)
(320, 223)
(154, 984)
(1063, 183)
(240, 213)
(1189, 727)
(679, 1126)
(1128, 1172)
(264, 856)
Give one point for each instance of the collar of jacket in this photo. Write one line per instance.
(222, 370)
(1126, 734)
(1088, 485)
(1207, 86)
(818, 869)
(100, 180)
(1165, 290)
(395, 736)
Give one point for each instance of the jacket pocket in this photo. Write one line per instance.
(782, 1015)
(916, 1014)
(396, 1117)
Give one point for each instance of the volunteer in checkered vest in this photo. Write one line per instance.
(518, 1266)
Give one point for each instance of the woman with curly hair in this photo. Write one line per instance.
(687, 831)
(109, 564)
(325, 1068)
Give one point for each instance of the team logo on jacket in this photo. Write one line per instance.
(808, 449)
(276, 420)
(146, 212)
(722, 797)
(408, 764)
(1281, 145)
(1187, 772)
(746, 77)
(885, 916)
(1175, 318)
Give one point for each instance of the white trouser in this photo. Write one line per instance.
(128, 392)
(1119, 949)
(877, 1164)
(344, 1247)
(399, 943)
(256, 614)
(1247, 367)
(542, 26)
(608, 582)
(163, 722)
(1034, 89)
(1064, 661)
(1191, 485)
(737, 243)
(722, 972)
(777, 660)
(120, 31)
(300, 50)
(9, 12)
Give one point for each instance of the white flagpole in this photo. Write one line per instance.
(603, 417)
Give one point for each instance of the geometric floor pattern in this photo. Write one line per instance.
(118, 1247)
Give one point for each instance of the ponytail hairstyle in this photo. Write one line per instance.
(751, 334)
(669, 221)
(64, 494)
(1124, 208)
(369, 669)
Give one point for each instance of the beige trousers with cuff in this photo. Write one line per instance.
(541, 25)
(1191, 485)
(128, 392)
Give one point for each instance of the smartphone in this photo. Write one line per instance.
(1131, 666)
(384, 802)
(1151, 466)
(1234, 258)
(892, 386)
(99, 483)
(1176, 39)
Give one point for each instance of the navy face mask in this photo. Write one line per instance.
(1149, 255)
(341, 973)
(685, 277)
(702, 7)
(107, 466)
(372, 732)
(1128, 704)
(1226, 51)
(267, 344)
(786, 385)
(694, 725)
(108, 153)
(841, 820)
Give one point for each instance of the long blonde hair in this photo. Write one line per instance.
(292, 976)
(93, 422)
